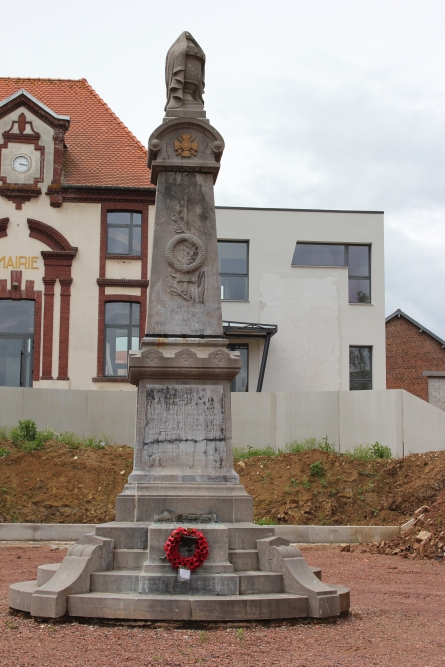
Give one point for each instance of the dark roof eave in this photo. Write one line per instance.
(73, 186)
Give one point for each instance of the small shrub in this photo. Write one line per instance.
(240, 634)
(333, 492)
(4, 452)
(27, 429)
(360, 453)
(294, 482)
(323, 482)
(265, 521)
(31, 446)
(316, 469)
(309, 444)
(369, 453)
(4, 433)
(71, 440)
(47, 434)
(306, 484)
(92, 443)
(15, 436)
(381, 451)
(375, 511)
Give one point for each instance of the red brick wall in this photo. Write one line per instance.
(408, 354)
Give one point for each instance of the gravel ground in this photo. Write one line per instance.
(397, 618)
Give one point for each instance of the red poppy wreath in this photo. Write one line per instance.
(200, 553)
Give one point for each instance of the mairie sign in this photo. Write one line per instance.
(18, 262)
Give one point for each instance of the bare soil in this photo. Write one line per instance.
(396, 621)
(349, 492)
(63, 485)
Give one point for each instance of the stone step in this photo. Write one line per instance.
(45, 572)
(187, 608)
(245, 535)
(255, 582)
(243, 559)
(126, 535)
(129, 559)
(198, 584)
(115, 581)
(20, 594)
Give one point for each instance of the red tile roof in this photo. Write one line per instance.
(101, 149)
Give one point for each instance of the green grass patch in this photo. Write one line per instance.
(369, 453)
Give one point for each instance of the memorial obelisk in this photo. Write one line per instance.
(183, 477)
(183, 449)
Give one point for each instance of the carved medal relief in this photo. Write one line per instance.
(185, 253)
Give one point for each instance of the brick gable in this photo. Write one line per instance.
(409, 352)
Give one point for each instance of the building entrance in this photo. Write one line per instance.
(16, 342)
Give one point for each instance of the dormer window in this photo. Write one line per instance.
(124, 232)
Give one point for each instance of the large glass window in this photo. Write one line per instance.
(234, 270)
(124, 233)
(121, 335)
(359, 273)
(360, 368)
(241, 381)
(16, 342)
(356, 257)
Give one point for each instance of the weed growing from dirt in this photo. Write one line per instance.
(28, 438)
(316, 469)
(265, 521)
(294, 447)
(369, 453)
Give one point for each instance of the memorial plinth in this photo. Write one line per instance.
(183, 466)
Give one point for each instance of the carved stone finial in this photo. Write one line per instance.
(184, 78)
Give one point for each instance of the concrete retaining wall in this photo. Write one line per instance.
(43, 532)
(393, 417)
(61, 532)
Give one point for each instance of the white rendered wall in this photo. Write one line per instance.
(316, 324)
(392, 417)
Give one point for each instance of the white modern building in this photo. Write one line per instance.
(309, 283)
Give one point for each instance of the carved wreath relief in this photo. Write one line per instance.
(186, 254)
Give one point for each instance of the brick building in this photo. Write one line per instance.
(74, 198)
(415, 359)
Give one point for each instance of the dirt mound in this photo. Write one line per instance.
(59, 484)
(425, 538)
(62, 485)
(292, 488)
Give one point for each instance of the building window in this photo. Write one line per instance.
(360, 368)
(124, 233)
(234, 270)
(241, 381)
(356, 257)
(121, 335)
(16, 342)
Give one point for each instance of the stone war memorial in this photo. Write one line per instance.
(183, 546)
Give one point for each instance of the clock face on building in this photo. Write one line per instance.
(21, 163)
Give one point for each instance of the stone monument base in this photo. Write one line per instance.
(144, 502)
(120, 572)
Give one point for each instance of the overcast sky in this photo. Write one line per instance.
(336, 104)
